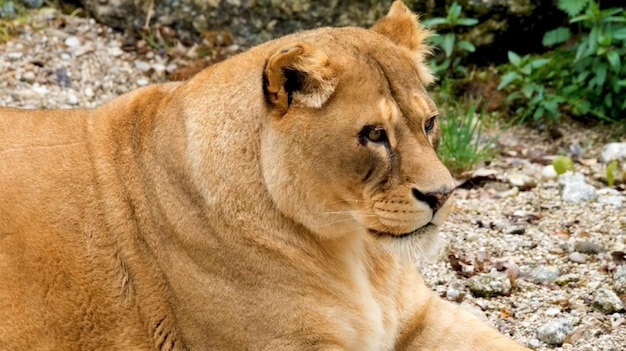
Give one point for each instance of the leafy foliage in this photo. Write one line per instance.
(451, 45)
(610, 172)
(584, 79)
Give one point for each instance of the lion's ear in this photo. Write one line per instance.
(402, 27)
(298, 73)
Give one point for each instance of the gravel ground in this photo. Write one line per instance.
(545, 271)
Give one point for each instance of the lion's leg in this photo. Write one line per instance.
(441, 325)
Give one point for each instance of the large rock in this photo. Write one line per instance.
(504, 24)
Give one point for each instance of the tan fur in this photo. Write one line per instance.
(244, 209)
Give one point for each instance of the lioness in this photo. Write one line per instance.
(268, 203)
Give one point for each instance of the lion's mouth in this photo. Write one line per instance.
(417, 231)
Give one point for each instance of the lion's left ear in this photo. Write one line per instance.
(299, 73)
(402, 27)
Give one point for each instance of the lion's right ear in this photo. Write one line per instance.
(299, 74)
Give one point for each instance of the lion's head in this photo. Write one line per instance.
(350, 147)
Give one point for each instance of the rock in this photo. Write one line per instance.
(606, 301)
(7, 10)
(566, 279)
(516, 229)
(522, 181)
(613, 151)
(72, 99)
(28, 76)
(548, 173)
(611, 197)
(488, 285)
(554, 332)
(588, 247)
(72, 41)
(545, 274)
(577, 257)
(454, 291)
(575, 189)
(619, 280)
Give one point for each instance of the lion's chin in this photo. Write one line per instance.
(420, 245)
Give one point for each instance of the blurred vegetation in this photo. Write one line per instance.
(581, 75)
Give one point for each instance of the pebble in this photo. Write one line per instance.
(522, 181)
(578, 192)
(611, 197)
(606, 301)
(619, 280)
(72, 99)
(72, 41)
(454, 291)
(577, 257)
(488, 285)
(28, 76)
(613, 151)
(142, 66)
(588, 247)
(545, 274)
(566, 279)
(516, 229)
(554, 332)
(142, 82)
(548, 173)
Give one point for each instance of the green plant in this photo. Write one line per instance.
(451, 45)
(531, 96)
(611, 168)
(463, 143)
(583, 75)
(563, 164)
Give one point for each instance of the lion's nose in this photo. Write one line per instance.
(434, 199)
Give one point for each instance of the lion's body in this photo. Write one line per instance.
(180, 216)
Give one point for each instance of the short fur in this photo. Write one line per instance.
(265, 204)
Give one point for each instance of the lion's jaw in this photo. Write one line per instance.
(328, 168)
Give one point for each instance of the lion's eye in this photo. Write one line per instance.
(430, 124)
(373, 134)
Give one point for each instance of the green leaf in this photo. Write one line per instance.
(514, 58)
(601, 75)
(556, 36)
(613, 58)
(537, 63)
(466, 45)
(620, 34)
(528, 90)
(431, 22)
(610, 173)
(448, 44)
(562, 164)
(454, 13)
(572, 7)
(467, 22)
(508, 79)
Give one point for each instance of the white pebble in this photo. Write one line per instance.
(72, 41)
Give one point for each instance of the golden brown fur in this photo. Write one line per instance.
(269, 203)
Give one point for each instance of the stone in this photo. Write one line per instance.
(522, 181)
(566, 279)
(488, 285)
(577, 257)
(588, 247)
(611, 197)
(554, 332)
(545, 274)
(578, 192)
(606, 301)
(72, 41)
(613, 151)
(619, 280)
(34, 4)
(548, 173)
(516, 229)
